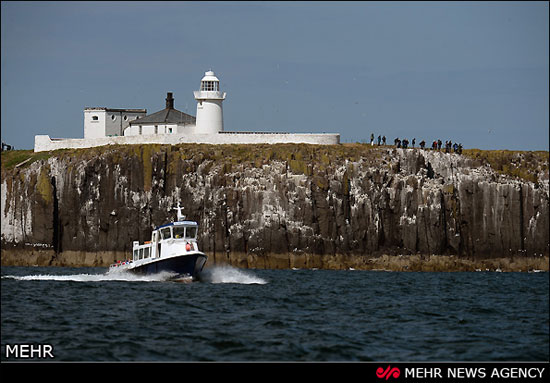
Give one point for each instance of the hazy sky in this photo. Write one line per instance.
(475, 73)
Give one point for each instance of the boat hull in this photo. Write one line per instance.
(188, 265)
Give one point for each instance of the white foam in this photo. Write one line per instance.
(109, 276)
(228, 274)
(215, 274)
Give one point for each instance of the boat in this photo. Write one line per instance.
(172, 249)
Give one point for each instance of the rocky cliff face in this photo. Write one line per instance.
(281, 199)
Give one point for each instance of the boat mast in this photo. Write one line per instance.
(181, 217)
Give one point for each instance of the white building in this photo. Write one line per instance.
(166, 121)
(107, 126)
(209, 105)
(106, 122)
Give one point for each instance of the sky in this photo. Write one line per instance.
(476, 73)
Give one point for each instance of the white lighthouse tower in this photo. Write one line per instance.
(209, 105)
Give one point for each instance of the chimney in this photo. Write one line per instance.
(169, 101)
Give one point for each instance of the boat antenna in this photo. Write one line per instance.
(181, 217)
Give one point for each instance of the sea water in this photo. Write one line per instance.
(89, 314)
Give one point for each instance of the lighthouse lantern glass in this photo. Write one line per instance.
(210, 86)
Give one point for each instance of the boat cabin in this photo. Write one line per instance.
(168, 240)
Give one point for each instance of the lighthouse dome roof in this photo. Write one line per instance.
(209, 76)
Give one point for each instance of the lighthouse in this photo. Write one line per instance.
(209, 105)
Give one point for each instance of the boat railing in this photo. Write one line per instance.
(120, 263)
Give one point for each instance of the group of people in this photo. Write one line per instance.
(436, 144)
(457, 148)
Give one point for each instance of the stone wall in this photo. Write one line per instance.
(45, 143)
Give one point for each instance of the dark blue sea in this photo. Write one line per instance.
(87, 314)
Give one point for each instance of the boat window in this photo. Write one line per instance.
(178, 232)
(191, 232)
(140, 253)
(135, 255)
(146, 252)
(166, 233)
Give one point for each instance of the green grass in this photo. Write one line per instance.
(519, 164)
(12, 158)
(300, 157)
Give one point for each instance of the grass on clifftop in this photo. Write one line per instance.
(12, 158)
(522, 164)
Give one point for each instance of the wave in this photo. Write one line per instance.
(109, 276)
(214, 274)
(228, 274)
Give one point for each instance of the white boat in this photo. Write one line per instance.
(173, 249)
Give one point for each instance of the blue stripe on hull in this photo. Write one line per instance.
(187, 265)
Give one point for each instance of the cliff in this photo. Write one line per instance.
(285, 205)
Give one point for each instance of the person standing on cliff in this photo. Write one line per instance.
(384, 140)
(379, 138)
(372, 139)
(413, 142)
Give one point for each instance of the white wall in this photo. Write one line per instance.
(45, 143)
(134, 130)
(109, 122)
(209, 116)
(94, 129)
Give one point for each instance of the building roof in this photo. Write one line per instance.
(167, 115)
(209, 76)
(117, 110)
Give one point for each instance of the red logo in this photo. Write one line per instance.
(388, 372)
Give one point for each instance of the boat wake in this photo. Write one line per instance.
(228, 274)
(214, 274)
(109, 276)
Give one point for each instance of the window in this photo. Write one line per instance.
(179, 232)
(95, 118)
(113, 117)
(210, 86)
(191, 232)
(136, 255)
(140, 130)
(140, 253)
(166, 234)
(169, 130)
(146, 252)
(125, 118)
(156, 129)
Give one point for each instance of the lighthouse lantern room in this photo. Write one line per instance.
(209, 105)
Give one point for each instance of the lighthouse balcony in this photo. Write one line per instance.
(209, 95)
